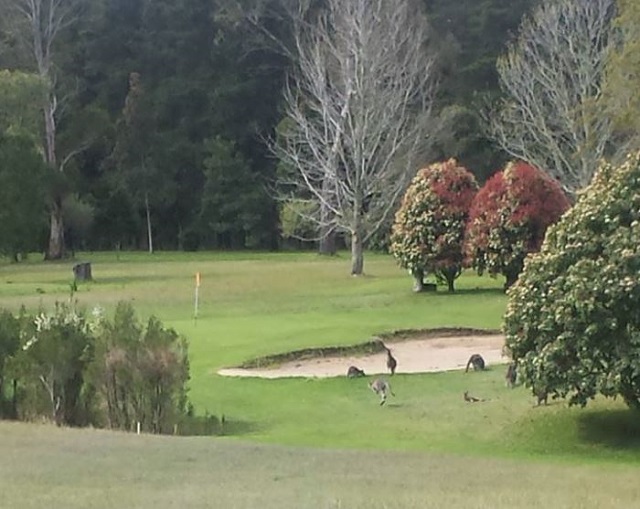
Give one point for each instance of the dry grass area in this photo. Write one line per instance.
(43, 466)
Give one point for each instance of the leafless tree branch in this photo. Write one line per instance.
(553, 114)
(358, 107)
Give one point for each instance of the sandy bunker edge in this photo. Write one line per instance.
(417, 351)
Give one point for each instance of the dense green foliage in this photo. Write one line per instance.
(23, 181)
(19, 97)
(428, 233)
(509, 217)
(573, 321)
(76, 370)
(193, 168)
(472, 34)
(140, 371)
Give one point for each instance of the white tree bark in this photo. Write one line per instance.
(358, 106)
(38, 24)
(554, 114)
(623, 76)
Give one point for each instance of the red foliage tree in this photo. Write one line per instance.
(428, 233)
(509, 218)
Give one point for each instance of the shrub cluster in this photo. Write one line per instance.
(509, 217)
(445, 223)
(429, 226)
(79, 370)
(573, 317)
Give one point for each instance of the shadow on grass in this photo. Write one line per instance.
(212, 425)
(468, 291)
(233, 427)
(121, 280)
(612, 433)
(614, 429)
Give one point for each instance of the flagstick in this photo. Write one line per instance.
(197, 297)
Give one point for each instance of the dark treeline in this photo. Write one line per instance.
(170, 103)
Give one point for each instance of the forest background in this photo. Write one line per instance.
(164, 107)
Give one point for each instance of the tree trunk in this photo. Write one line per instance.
(512, 277)
(450, 281)
(327, 244)
(418, 280)
(50, 130)
(357, 254)
(56, 250)
(450, 274)
(14, 400)
(149, 232)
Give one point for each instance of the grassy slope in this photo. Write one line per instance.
(258, 304)
(82, 469)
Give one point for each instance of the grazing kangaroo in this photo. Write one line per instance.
(477, 361)
(392, 363)
(471, 399)
(354, 372)
(382, 388)
(511, 375)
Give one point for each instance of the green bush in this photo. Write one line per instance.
(573, 318)
(140, 372)
(55, 349)
(115, 372)
(9, 345)
(428, 233)
(509, 217)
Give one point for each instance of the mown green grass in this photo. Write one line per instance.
(254, 304)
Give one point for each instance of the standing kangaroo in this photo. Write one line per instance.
(382, 388)
(392, 363)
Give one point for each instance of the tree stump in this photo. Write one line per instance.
(82, 271)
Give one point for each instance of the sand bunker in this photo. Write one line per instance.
(419, 355)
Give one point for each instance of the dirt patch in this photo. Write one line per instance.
(425, 352)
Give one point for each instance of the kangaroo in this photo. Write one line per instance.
(354, 372)
(382, 388)
(477, 361)
(471, 399)
(541, 395)
(511, 375)
(392, 363)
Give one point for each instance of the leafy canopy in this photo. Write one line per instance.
(509, 217)
(23, 182)
(573, 318)
(428, 233)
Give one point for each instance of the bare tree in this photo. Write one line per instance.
(357, 110)
(554, 115)
(38, 24)
(623, 75)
